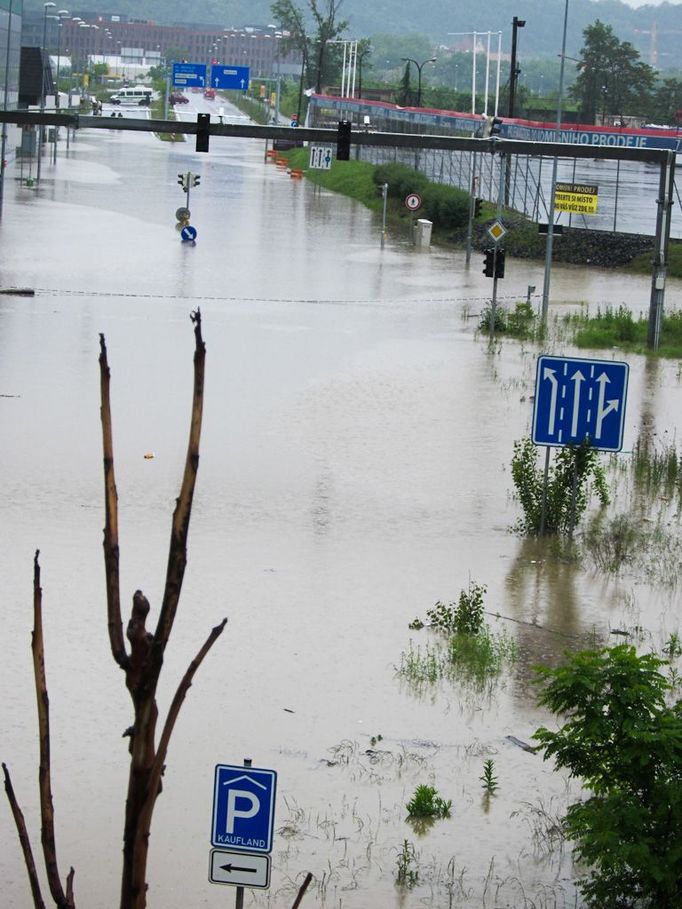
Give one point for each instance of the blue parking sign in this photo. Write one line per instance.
(243, 808)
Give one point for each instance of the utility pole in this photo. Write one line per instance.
(514, 73)
(513, 79)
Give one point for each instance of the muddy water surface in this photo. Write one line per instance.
(354, 470)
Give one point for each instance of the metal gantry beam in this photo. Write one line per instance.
(663, 158)
(360, 136)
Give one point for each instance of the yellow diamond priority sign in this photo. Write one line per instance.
(497, 230)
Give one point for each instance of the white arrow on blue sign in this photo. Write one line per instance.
(578, 399)
(243, 808)
(230, 77)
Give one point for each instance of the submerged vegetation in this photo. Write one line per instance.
(407, 869)
(617, 327)
(471, 653)
(426, 803)
(557, 506)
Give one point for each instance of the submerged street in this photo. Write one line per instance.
(355, 469)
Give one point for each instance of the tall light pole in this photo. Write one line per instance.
(361, 56)
(4, 105)
(419, 66)
(46, 6)
(550, 214)
(61, 14)
(514, 73)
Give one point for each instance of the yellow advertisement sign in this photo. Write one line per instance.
(580, 198)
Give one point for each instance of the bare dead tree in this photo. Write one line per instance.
(141, 662)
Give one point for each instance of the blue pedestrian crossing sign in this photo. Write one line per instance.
(578, 399)
(243, 808)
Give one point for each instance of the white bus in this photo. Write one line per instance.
(141, 95)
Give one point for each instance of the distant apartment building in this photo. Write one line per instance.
(82, 36)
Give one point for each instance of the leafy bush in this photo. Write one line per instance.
(625, 743)
(573, 466)
(401, 179)
(446, 206)
(427, 803)
(464, 618)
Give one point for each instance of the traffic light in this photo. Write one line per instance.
(477, 207)
(203, 132)
(489, 263)
(182, 180)
(499, 264)
(343, 141)
(495, 126)
(196, 179)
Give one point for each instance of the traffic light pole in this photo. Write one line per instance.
(493, 302)
(472, 203)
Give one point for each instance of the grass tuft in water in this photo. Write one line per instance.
(470, 658)
(613, 327)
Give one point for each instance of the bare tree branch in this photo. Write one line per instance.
(44, 773)
(177, 553)
(24, 841)
(154, 785)
(110, 542)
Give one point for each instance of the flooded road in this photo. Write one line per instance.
(354, 470)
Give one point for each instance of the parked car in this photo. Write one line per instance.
(178, 98)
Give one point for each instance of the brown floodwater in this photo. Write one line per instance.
(355, 469)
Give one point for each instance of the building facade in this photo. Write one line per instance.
(261, 48)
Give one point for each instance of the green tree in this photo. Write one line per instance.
(612, 80)
(320, 60)
(667, 102)
(625, 743)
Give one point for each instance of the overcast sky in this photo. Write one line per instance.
(649, 2)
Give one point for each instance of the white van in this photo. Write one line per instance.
(134, 94)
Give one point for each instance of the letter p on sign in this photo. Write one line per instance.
(234, 812)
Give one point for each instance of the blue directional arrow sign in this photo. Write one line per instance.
(243, 808)
(230, 77)
(578, 399)
(189, 75)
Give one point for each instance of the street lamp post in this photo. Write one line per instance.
(46, 6)
(61, 14)
(419, 66)
(361, 57)
(4, 104)
(555, 165)
(514, 73)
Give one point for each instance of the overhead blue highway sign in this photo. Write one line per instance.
(230, 77)
(243, 808)
(189, 75)
(578, 399)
